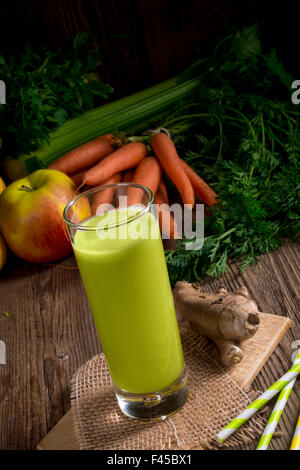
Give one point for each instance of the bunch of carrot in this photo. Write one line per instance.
(101, 162)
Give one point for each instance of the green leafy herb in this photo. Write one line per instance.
(241, 133)
(45, 89)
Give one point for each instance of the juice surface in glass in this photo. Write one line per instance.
(128, 288)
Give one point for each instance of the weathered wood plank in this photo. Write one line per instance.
(274, 284)
(256, 351)
(50, 333)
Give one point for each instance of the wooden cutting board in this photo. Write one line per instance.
(257, 351)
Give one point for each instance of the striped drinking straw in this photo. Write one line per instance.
(296, 439)
(277, 412)
(275, 416)
(260, 402)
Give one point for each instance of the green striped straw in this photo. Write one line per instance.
(277, 412)
(295, 445)
(275, 416)
(261, 401)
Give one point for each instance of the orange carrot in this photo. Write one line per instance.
(149, 174)
(166, 220)
(85, 155)
(122, 159)
(77, 177)
(103, 198)
(166, 152)
(162, 188)
(202, 190)
(127, 176)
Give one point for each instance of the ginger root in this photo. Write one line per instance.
(227, 318)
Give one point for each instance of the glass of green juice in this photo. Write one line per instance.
(121, 259)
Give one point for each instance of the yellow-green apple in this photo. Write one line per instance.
(31, 215)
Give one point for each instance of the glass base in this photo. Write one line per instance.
(155, 406)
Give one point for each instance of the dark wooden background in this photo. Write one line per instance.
(142, 41)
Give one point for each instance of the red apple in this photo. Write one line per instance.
(31, 215)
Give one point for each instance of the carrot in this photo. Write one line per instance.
(103, 198)
(85, 155)
(166, 152)
(127, 176)
(202, 190)
(166, 220)
(77, 177)
(122, 159)
(162, 188)
(149, 174)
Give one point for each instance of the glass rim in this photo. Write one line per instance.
(95, 189)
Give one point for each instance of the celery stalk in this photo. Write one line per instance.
(131, 112)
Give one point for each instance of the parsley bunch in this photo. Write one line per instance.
(44, 89)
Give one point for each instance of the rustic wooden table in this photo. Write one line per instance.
(49, 333)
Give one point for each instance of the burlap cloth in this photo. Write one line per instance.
(214, 399)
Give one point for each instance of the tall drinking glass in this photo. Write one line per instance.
(121, 260)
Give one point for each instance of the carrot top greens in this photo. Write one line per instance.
(241, 133)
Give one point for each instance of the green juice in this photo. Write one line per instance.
(126, 280)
